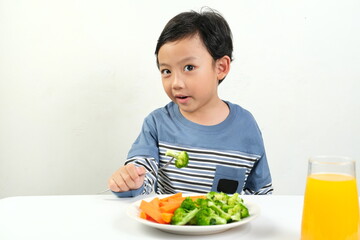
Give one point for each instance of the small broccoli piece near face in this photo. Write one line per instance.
(207, 216)
(181, 158)
(183, 216)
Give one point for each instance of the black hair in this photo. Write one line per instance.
(211, 27)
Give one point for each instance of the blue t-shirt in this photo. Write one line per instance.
(228, 157)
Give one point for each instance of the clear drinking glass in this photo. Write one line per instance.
(331, 201)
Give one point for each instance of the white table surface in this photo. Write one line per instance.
(104, 217)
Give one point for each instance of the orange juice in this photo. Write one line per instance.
(331, 208)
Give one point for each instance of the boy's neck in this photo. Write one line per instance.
(209, 116)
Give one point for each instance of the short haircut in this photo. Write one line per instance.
(211, 27)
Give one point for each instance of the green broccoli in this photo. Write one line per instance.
(193, 221)
(244, 211)
(201, 202)
(218, 196)
(216, 208)
(188, 204)
(238, 212)
(181, 158)
(183, 216)
(219, 211)
(224, 207)
(235, 213)
(234, 199)
(207, 216)
(211, 195)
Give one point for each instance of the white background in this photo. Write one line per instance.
(77, 78)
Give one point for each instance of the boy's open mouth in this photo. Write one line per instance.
(182, 97)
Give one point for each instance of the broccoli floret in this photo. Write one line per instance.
(207, 216)
(216, 208)
(181, 158)
(234, 199)
(244, 211)
(226, 207)
(235, 213)
(218, 196)
(219, 211)
(183, 216)
(238, 212)
(193, 221)
(211, 195)
(188, 204)
(201, 202)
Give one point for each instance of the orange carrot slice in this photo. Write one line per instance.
(143, 215)
(161, 210)
(175, 195)
(196, 197)
(155, 202)
(167, 217)
(151, 211)
(170, 207)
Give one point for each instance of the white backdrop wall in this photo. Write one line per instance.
(77, 78)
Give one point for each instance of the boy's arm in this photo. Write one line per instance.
(259, 180)
(266, 190)
(149, 164)
(144, 153)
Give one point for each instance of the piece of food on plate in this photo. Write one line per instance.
(211, 209)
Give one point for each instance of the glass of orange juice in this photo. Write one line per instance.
(331, 201)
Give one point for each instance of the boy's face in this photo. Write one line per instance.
(189, 75)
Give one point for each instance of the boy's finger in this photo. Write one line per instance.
(122, 182)
(132, 178)
(141, 171)
(137, 175)
(113, 186)
(134, 171)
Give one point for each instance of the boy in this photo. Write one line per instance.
(222, 139)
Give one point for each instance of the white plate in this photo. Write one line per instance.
(133, 211)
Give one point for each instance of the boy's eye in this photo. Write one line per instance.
(165, 71)
(189, 68)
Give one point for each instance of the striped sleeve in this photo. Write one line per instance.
(151, 167)
(265, 190)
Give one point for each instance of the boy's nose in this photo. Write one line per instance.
(178, 81)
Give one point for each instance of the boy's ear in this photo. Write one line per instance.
(223, 67)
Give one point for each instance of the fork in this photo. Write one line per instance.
(153, 172)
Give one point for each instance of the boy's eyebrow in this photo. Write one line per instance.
(164, 65)
(186, 59)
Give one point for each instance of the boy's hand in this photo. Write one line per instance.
(127, 178)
